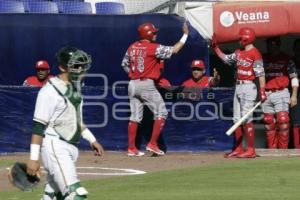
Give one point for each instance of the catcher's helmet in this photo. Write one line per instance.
(247, 36)
(147, 31)
(74, 60)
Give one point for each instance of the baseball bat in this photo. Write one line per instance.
(238, 123)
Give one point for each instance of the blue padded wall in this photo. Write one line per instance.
(192, 125)
(28, 38)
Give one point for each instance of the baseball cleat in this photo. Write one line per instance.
(154, 149)
(234, 153)
(134, 152)
(247, 154)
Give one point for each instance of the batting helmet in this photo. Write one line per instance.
(42, 64)
(147, 31)
(247, 36)
(74, 60)
(198, 64)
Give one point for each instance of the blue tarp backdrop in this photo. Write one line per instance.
(198, 124)
(25, 38)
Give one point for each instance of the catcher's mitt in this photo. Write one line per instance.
(18, 176)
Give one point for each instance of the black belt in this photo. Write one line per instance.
(240, 82)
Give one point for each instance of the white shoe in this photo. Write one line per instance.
(134, 152)
(154, 149)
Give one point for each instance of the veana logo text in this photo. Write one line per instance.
(227, 18)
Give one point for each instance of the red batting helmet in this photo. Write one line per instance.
(147, 31)
(247, 36)
(42, 64)
(198, 64)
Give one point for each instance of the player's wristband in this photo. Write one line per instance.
(184, 38)
(34, 151)
(88, 135)
(295, 82)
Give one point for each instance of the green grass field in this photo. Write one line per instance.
(257, 179)
(6, 163)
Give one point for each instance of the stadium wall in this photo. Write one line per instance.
(27, 38)
(193, 125)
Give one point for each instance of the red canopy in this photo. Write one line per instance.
(266, 18)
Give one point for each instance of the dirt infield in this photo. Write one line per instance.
(117, 163)
(113, 162)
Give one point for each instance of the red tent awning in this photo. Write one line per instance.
(266, 18)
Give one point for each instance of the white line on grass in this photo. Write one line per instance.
(118, 171)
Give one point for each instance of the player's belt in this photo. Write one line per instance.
(61, 138)
(141, 79)
(240, 82)
(274, 89)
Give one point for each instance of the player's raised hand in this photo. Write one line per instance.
(214, 42)
(98, 149)
(216, 73)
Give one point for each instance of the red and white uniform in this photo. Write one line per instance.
(33, 81)
(142, 62)
(249, 63)
(279, 70)
(142, 59)
(204, 82)
(249, 66)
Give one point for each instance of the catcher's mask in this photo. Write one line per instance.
(18, 176)
(75, 61)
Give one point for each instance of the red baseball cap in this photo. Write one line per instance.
(198, 64)
(42, 64)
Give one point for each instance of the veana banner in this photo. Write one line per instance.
(266, 18)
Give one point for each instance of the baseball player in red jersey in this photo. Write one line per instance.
(249, 66)
(199, 80)
(143, 65)
(295, 110)
(42, 75)
(279, 69)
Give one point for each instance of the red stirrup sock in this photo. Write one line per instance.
(132, 130)
(238, 147)
(250, 132)
(157, 128)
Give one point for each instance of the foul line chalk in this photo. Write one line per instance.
(117, 171)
